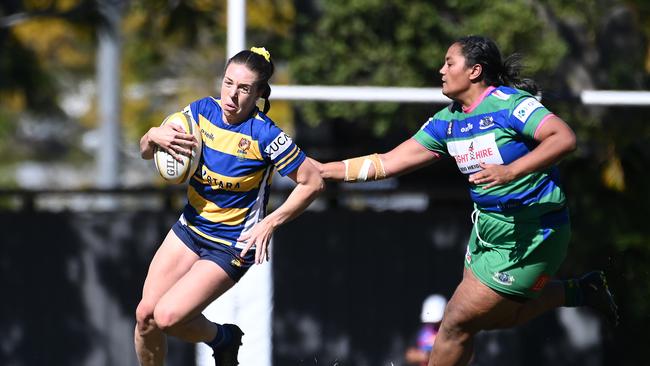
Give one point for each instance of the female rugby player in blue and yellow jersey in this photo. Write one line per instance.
(223, 229)
(507, 144)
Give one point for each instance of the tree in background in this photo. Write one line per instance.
(40, 43)
(172, 53)
(379, 43)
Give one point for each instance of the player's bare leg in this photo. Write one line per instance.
(475, 307)
(178, 311)
(172, 260)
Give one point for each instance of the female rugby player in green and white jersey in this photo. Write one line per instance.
(223, 229)
(506, 143)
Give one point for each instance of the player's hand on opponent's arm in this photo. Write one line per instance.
(169, 137)
(492, 175)
(332, 171)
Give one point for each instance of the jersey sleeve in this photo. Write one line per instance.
(428, 136)
(196, 108)
(527, 114)
(279, 148)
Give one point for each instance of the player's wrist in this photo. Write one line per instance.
(332, 171)
(364, 168)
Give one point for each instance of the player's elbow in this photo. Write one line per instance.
(570, 142)
(315, 184)
(146, 146)
(146, 154)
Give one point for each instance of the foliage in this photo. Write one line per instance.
(172, 52)
(382, 43)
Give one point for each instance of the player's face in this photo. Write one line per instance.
(455, 75)
(239, 92)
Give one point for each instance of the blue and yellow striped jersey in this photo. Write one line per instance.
(498, 129)
(229, 191)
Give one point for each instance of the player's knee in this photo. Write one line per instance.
(456, 323)
(144, 315)
(166, 317)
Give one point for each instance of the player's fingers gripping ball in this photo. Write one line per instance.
(170, 168)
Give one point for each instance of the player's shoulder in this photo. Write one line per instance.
(508, 96)
(440, 121)
(260, 121)
(262, 126)
(206, 105)
(447, 113)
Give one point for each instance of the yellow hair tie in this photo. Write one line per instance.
(262, 52)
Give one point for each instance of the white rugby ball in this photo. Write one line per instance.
(170, 169)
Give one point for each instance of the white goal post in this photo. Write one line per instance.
(430, 95)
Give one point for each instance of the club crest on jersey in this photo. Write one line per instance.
(486, 122)
(242, 147)
(503, 278)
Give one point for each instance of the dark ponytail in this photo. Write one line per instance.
(259, 61)
(483, 51)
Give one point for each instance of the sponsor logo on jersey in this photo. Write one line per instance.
(486, 122)
(503, 278)
(279, 145)
(526, 108)
(449, 127)
(471, 152)
(219, 183)
(467, 128)
(207, 135)
(468, 256)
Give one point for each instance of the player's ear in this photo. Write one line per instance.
(475, 72)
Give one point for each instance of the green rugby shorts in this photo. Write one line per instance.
(517, 255)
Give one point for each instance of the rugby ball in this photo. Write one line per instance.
(170, 169)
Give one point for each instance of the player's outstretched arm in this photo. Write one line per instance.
(309, 185)
(408, 156)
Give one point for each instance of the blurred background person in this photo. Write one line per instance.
(433, 308)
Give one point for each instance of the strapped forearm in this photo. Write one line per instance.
(358, 169)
